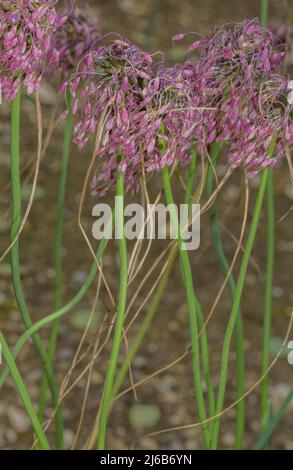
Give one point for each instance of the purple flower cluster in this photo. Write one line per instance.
(237, 69)
(78, 35)
(151, 114)
(27, 30)
(154, 115)
(110, 82)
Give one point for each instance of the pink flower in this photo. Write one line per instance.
(27, 33)
(78, 34)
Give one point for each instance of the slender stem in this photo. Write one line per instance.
(58, 245)
(206, 362)
(23, 393)
(108, 389)
(236, 303)
(15, 264)
(265, 406)
(240, 359)
(188, 282)
(191, 178)
(60, 220)
(264, 12)
(200, 315)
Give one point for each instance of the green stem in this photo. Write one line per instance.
(23, 393)
(58, 245)
(240, 359)
(265, 405)
(190, 178)
(264, 12)
(108, 389)
(206, 362)
(188, 282)
(200, 315)
(15, 264)
(236, 304)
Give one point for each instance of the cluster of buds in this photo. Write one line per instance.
(110, 83)
(238, 72)
(79, 34)
(27, 31)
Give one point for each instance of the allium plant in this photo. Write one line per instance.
(147, 106)
(78, 34)
(233, 69)
(27, 33)
(112, 77)
(151, 117)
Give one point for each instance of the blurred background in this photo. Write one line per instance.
(166, 400)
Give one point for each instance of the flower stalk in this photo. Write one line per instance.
(118, 330)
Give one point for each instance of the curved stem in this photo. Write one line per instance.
(60, 313)
(23, 393)
(188, 283)
(15, 264)
(58, 245)
(240, 359)
(236, 304)
(118, 330)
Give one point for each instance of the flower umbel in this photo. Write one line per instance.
(78, 35)
(27, 31)
(234, 68)
(112, 77)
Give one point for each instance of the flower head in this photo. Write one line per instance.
(27, 31)
(232, 71)
(110, 82)
(79, 33)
